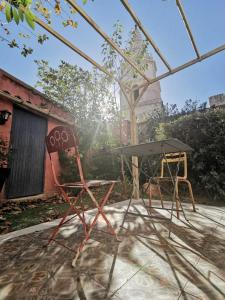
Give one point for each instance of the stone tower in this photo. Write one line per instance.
(151, 100)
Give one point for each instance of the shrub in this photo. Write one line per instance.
(205, 133)
(103, 164)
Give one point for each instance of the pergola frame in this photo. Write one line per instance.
(128, 93)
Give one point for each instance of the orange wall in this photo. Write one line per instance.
(5, 129)
(15, 89)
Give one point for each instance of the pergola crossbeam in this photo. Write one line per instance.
(146, 34)
(181, 10)
(101, 68)
(72, 46)
(187, 64)
(93, 24)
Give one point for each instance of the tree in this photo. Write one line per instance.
(120, 69)
(150, 130)
(17, 12)
(87, 95)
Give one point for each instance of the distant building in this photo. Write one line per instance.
(151, 100)
(217, 100)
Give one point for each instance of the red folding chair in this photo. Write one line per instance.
(62, 138)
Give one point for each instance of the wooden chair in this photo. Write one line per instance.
(168, 159)
(62, 138)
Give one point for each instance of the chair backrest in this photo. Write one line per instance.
(59, 139)
(171, 158)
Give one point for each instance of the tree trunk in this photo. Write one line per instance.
(134, 141)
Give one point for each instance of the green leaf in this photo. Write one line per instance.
(16, 16)
(84, 1)
(30, 18)
(21, 14)
(26, 51)
(8, 13)
(13, 44)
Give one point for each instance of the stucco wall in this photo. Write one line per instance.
(16, 89)
(5, 129)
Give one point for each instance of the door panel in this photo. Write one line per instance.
(28, 154)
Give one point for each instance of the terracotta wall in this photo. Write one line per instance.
(16, 89)
(6, 128)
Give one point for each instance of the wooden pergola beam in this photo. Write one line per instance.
(72, 46)
(184, 18)
(187, 64)
(93, 24)
(78, 51)
(146, 34)
(101, 68)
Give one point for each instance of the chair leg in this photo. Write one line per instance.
(100, 212)
(87, 236)
(150, 198)
(177, 199)
(191, 194)
(160, 194)
(100, 207)
(71, 208)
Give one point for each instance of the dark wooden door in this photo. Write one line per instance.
(28, 154)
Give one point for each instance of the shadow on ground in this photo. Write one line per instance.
(147, 264)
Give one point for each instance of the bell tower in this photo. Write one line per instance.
(151, 100)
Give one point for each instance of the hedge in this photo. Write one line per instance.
(204, 131)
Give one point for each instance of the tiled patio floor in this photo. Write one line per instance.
(145, 265)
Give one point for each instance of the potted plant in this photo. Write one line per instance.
(4, 169)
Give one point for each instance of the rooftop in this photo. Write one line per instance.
(32, 89)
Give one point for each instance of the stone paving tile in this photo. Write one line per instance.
(147, 264)
(147, 285)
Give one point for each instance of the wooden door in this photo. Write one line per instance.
(28, 154)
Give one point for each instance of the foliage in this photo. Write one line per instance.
(105, 165)
(148, 129)
(171, 111)
(42, 38)
(109, 54)
(69, 171)
(34, 214)
(17, 12)
(204, 132)
(152, 127)
(88, 97)
(26, 50)
(4, 156)
(86, 94)
(115, 63)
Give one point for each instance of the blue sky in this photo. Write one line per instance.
(163, 22)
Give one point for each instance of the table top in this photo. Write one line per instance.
(151, 148)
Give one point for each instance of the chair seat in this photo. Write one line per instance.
(90, 183)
